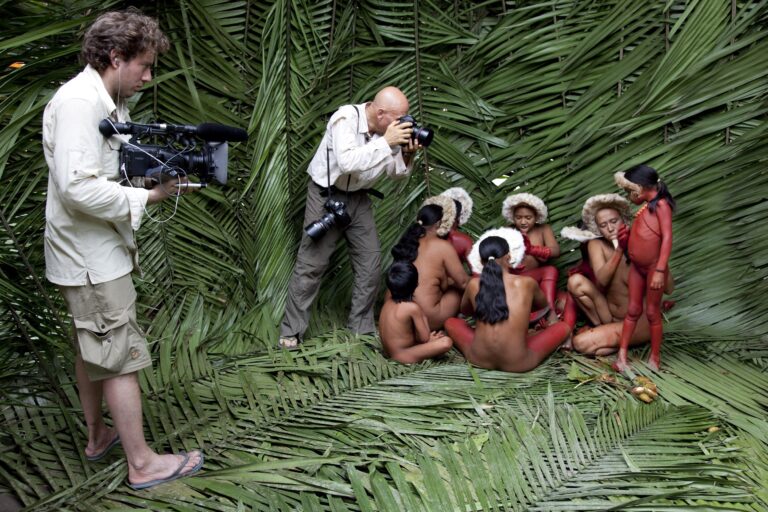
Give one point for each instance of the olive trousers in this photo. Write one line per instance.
(314, 257)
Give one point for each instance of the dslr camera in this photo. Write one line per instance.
(422, 134)
(179, 154)
(337, 215)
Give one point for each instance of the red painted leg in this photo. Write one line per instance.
(460, 332)
(634, 310)
(653, 312)
(657, 335)
(549, 339)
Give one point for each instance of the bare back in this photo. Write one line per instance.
(405, 334)
(502, 345)
(401, 324)
(441, 278)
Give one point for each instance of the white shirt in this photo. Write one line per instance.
(89, 217)
(355, 155)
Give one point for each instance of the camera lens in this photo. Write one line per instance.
(320, 227)
(423, 135)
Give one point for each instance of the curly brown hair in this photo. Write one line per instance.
(127, 32)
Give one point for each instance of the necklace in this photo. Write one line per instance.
(641, 210)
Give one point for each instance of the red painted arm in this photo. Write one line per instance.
(664, 213)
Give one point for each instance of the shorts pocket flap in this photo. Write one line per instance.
(103, 322)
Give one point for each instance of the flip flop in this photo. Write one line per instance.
(173, 476)
(103, 453)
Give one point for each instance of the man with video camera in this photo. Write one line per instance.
(90, 249)
(361, 143)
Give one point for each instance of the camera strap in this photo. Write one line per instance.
(328, 160)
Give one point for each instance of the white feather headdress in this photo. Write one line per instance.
(449, 213)
(461, 195)
(524, 199)
(516, 248)
(589, 212)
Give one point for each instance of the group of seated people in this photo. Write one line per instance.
(496, 299)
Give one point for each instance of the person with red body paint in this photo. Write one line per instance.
(600, 284)
(528, 214)
(461, 241)
(650, 247)
(501, 302)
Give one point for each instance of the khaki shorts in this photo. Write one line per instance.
(107, 335)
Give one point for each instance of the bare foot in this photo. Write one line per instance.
(654, 363)
(163, 467)
(620, 365)
(552, 318)
(567, 344)
(103, 438)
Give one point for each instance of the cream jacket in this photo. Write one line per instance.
(356, 159)
(89, 218)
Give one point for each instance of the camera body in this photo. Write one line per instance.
(422, 134)
(183, 151)
(336, 215)
(157, 164)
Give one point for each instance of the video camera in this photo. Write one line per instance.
(145, 165)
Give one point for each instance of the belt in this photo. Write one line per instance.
(335, 190)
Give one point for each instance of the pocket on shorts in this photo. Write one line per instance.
(98, 338)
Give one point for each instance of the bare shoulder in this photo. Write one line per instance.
(664, 206)
(537, 232)
(525, 282)
(442, 244)
(595, 243)
(599, 244)
(408, 308)
(545, 228)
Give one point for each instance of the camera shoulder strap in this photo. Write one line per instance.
(328, 156)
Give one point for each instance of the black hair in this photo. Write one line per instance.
(491, 302)
(402, 279)
(408, 247)
(458, 210)
(647, 177)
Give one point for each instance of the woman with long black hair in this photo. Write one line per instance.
(502, 302)
(441, 276)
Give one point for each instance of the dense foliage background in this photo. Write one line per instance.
(549, 97)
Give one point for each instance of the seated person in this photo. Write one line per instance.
(502, 303)
(527, 213)
(460, 240)
(441, 277)
(403, 326)
(604, 300)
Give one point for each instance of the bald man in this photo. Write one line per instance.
(361, 143)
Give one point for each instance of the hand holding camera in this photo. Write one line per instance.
(171, 188)
(398, 133)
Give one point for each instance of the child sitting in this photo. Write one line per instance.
(403, 326)
(527, 213)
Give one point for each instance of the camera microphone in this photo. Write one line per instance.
(220, 132)
(206, 131)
